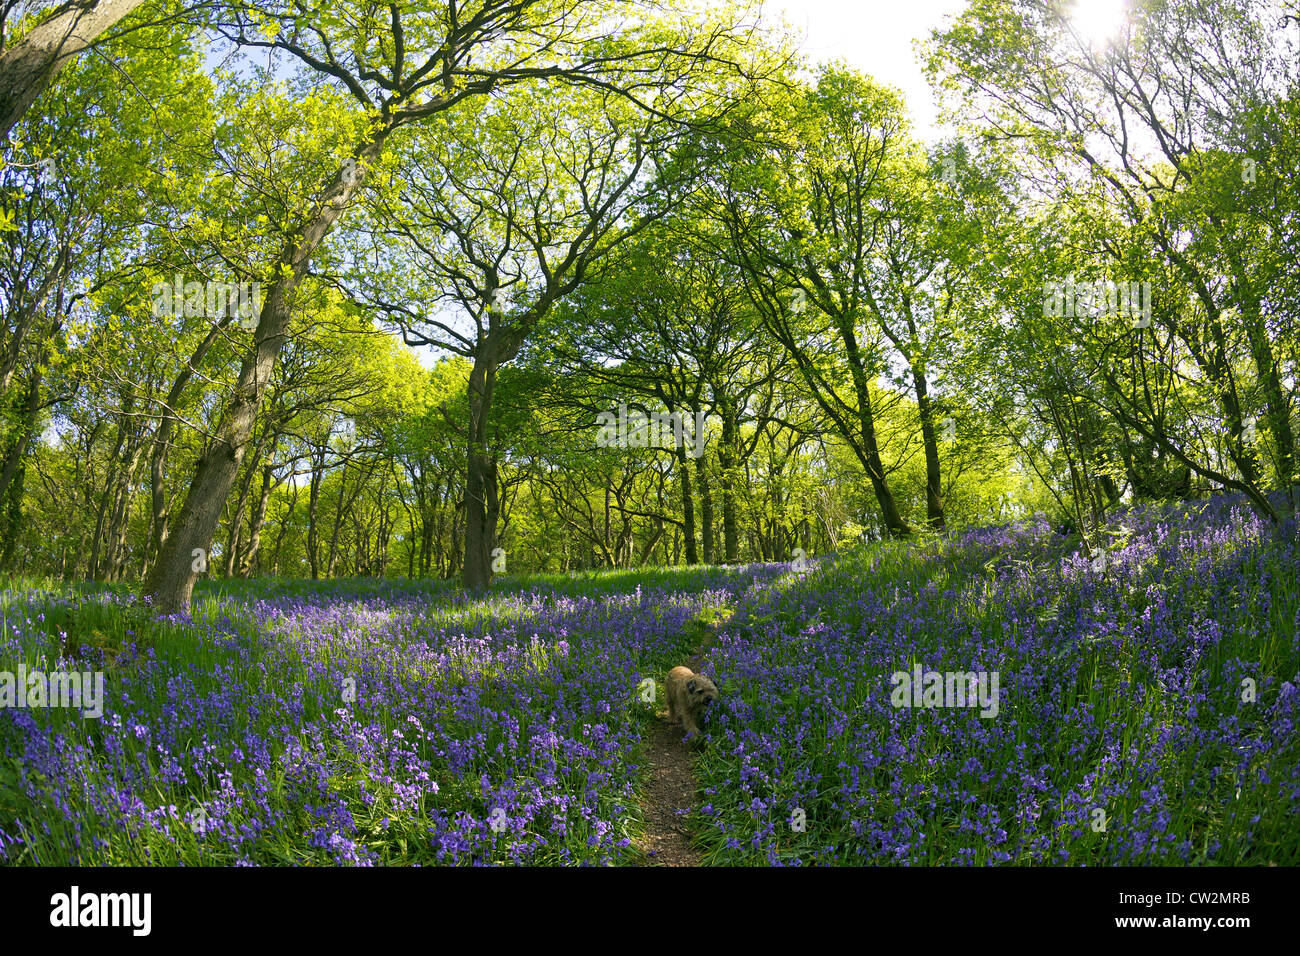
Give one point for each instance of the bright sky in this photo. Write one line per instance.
(874, 37)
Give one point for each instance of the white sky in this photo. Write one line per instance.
(874, 37)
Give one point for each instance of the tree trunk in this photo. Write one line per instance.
(163, 435)
(688, 507)
(1278, 411)
(313, 512)
(338, 523)
(933, 477)
(115, 557)
(171, 582)
(110, 484)
(30, 65)
(235, 536)
(24, 431)
(706, 508)
(650, 545)
(481, 500)
(11, 516)
(284, 527)
(870, 457)
(727, 466)
(257, 521)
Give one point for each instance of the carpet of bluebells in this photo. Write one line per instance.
(1148, 710)
(1149, 703)
(329, 725)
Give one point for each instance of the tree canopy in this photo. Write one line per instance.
(470, 288)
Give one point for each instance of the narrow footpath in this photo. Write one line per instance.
(670, 786)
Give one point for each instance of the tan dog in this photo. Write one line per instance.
(688, 695)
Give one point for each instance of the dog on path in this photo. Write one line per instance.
(688, 696)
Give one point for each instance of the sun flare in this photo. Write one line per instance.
(1099, 21)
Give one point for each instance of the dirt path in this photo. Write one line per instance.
(670, 786)
(669, 794)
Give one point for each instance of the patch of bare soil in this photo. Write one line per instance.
(669, 794)
(670, 786)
